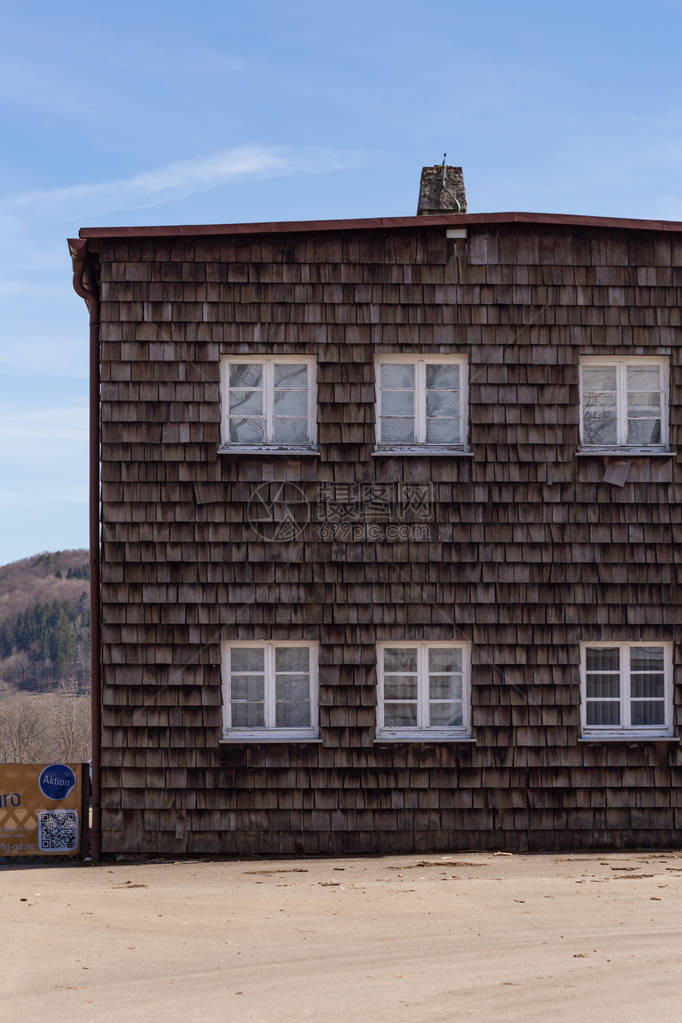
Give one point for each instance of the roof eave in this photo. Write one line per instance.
(380, 224)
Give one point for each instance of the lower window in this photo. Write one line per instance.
(424, 691)
(270, 691)
(626, 689)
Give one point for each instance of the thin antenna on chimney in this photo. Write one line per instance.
(441, 190)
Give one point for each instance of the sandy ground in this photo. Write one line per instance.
(470, 936)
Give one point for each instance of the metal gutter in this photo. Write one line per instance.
(381, 224)
(85, 285)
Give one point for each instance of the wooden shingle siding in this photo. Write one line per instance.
(529, 552)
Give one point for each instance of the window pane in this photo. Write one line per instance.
(249, 659)
(395, 374)
(292, 658)
(647, 686)
(445, 687)
(292, 715)
(445, 714)
(646, 658)
(644, 431)
(397, 403)
(247, 687)
(294, 375)
(602, 687)
(647, 712)
(445, 659)
(248, 715)
(291, 403)
(292, 687)
(644, 378)
(400, 659)
(599, 429)
(400, 687)
(246, 374)
(400, 715)
(602, 713)
(442, 377)
(397, 431)
(291, 431)
(644, 405)
(442, 431)
(246, 403)
(442, 403)
(247, 431)
(599, 404)
(602, 658)
(599, 378)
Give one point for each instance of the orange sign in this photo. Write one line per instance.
(40, 809)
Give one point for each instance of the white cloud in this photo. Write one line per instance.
(41, 89)
(34, 499)
(181, 178)
(43, 463)
(57, 353)
(44, 443)
(52, 425)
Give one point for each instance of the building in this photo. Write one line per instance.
(389, 518)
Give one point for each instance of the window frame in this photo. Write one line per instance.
(424, 733)
(268, 363)
(621, 362)
(626, 730)
(420, 362)
(270, 732)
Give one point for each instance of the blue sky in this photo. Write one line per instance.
(143, 113)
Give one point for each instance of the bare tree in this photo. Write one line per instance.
(38, 728)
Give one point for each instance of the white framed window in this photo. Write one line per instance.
(626, 689)
(268, 402)
(424, 691)
(624, 402)
(421, 402)
(270, 691)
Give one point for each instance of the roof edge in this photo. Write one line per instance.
(380, 223)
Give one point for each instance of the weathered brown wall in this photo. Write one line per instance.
(530, 552)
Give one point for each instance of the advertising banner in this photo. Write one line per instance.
(41, 809)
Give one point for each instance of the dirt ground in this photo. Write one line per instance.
(440, 938)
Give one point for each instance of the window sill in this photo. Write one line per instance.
(421, 451)
(625, 452)
(628, 737)
(267, 449)
(421, 736)
(257, 740)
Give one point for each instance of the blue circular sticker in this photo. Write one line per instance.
(57, 781)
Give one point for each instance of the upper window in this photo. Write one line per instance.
(268, 403)
(624, 402)
(421, 402)
(269, 691)
(626, 689)
(424, 691)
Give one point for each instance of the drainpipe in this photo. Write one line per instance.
(85, 285)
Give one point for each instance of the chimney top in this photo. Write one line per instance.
(441, 190)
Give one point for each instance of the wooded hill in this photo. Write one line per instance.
(45, 622)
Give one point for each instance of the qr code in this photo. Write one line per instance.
(58, 830)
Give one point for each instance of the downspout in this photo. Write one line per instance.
(85, 285)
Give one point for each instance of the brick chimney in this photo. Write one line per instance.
(441, 191)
